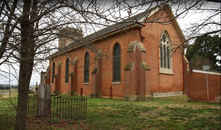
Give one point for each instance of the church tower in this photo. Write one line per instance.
(68, 35)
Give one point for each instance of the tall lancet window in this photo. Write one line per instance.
(53, 72)
(161, 55)
(117, 63)
(86, 68)
(67, 70)
(165, 55)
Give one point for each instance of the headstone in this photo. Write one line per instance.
(47, 107)
(41, 91)
(41, 96)
(48, 91)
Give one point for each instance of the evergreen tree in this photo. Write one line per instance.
(208, 48)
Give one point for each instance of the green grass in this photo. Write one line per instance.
(159, 113)
(7, 113)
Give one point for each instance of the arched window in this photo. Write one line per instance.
(117, 63)
(164, 56)
(161, 55)
(165, 48)
(53, 71)
(86, 68)
(67, 70)
(168, 57)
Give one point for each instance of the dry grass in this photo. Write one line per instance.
(14, 93)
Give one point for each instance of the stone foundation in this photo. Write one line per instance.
(57, 92)
(167, 94)
(217, 99)
(137, 97)
(73, 93)
(97, 95)
(144, 97)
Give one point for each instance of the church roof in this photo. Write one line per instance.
(134, 22)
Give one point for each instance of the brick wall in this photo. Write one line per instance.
(107, 49)
(158, 82)
(163, 82)
(198, 81)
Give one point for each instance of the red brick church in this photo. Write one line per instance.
(133, 60)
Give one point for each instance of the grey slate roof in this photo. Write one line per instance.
(125, 23)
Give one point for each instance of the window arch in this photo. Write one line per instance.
(53, 71)
(117, 63)
(165, 48)
(67, 70)
(86, 68)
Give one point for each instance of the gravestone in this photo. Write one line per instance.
(41, 96)
(44, 100)
(47, 105)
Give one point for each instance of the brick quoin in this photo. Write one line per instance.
(157, 82)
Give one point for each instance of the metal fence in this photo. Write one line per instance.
(61, 110)
(32, 105)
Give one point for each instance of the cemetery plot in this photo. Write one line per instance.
(61, 110)
(55, 109)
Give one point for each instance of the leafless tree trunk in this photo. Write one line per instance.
(26, 64)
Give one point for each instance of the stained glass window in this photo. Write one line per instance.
(86, 68)
(67, 70)
(165, 50)
(117, 63)
(53, 71)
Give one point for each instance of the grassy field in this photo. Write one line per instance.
(14, 93)
(159, 113)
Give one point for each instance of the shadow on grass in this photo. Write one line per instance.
(6, 121)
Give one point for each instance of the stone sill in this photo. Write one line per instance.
(166, 71)
(66, 83)
(116, 82)
(86, 83)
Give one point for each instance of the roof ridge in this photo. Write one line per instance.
(110, 28)
(123, 21)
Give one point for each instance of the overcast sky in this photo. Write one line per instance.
(183, 22)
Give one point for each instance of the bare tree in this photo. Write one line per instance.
(29, 28)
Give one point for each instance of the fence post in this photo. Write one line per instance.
(110, 92)
(81, 91)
